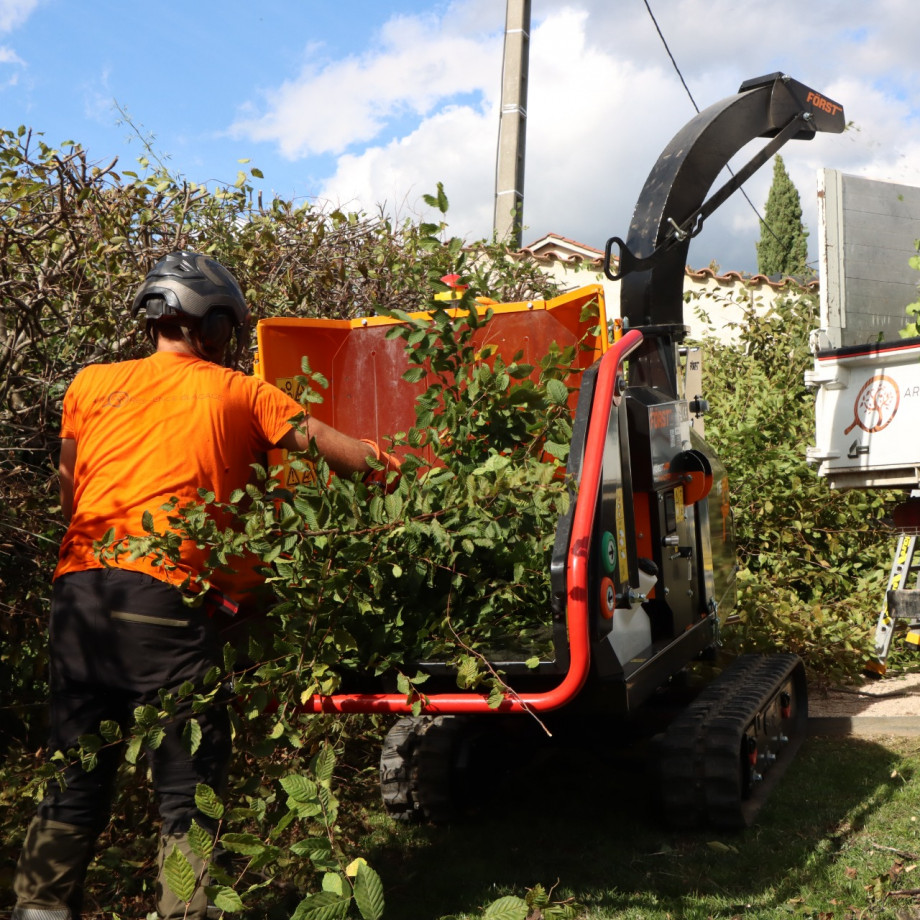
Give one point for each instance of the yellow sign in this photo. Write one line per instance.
(621, 535)
(290, 385)
(680, 511)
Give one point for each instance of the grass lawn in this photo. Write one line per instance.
(839, 840)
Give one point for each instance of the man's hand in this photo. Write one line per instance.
(381, 476)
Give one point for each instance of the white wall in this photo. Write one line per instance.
(717, 296)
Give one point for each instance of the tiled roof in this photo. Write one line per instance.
(596, 261)
(555, 239)
(733, 276)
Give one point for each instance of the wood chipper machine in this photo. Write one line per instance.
(642, 570)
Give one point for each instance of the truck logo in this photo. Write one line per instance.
(876, 404)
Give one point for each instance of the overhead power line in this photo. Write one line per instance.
(677, 70)
(671, 56)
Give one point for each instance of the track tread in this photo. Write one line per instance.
(418, 765)
(396, 757)
(704, 777)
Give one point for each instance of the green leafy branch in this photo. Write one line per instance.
(304, 832)
(912, 328)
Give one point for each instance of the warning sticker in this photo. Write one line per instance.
(290, 385)
(298, 477)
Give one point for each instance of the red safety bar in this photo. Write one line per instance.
(605, 395)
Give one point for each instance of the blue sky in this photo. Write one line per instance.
(369, 104)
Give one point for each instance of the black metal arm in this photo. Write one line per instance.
(672, 208)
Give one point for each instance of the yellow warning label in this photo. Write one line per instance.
(898, 573)
(679, 509)
(290, 385)
(294, 477)
(303, 474)
(621, 535)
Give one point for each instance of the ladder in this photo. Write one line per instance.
(902, 600)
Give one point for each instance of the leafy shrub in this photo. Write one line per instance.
(813, 561)
(451, 563)
(77, 240)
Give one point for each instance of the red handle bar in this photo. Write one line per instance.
(605, 395)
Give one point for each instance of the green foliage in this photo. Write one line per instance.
(368, 892)
(451, 563)
(507, 908)
(300, 833)
(783, 245)
(535, 904)
(208, 803)
(836, 841)
(179, 874)
(913, 309)
(813, 562)
(201, 842)
(78, 238)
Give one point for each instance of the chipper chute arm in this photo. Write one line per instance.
(672, 208)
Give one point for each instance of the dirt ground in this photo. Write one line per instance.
(885, 705)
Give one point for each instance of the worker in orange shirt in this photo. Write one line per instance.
(134, 435)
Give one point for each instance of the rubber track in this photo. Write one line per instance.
(395, 760)
(700, 766)
(418, 769)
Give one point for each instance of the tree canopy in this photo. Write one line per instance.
(783, 245)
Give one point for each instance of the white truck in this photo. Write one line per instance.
(867, 376)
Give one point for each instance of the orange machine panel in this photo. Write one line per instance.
(367, 396)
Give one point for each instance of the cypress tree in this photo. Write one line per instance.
(783, 245)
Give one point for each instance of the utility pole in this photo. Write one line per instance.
(512, 129)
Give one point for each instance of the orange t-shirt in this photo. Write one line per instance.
(159, 427)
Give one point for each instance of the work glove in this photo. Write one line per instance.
(381, 476)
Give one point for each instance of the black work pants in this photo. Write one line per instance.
(117, 639)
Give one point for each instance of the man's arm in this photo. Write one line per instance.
(66, 464)
(345, 455)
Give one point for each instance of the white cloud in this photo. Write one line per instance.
(883, 141)
(604, 101)
(583, 160)
(8, 56)
(442, 149)
(14, 13)
(417, 65)
(586, 163)
(99, 104)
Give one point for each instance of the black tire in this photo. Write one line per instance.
(433, 768)
(395, 764)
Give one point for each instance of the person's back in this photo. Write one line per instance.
(155, 429)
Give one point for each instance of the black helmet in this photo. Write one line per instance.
(190, 284)
(196, 293)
